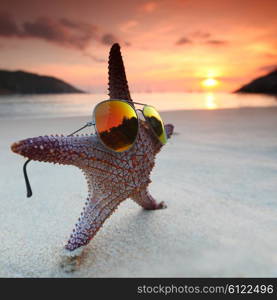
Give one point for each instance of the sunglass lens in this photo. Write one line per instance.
(156, 122)
(117, 124)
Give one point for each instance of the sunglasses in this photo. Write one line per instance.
(116, 123)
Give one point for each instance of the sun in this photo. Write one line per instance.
(209, 82)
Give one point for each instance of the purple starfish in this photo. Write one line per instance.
(111, 177)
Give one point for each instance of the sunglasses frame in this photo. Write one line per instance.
(130, 103)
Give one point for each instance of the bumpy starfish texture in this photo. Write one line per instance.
(111, 177)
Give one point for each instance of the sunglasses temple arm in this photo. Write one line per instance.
(87, 125)
(27, 182)
(28, 186)
(137, 103)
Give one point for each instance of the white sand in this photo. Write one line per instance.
(218, 176)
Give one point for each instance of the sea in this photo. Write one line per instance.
(69, 105)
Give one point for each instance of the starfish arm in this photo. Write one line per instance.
(96, 211)
(66, 150)
(169, 128)
(118, 85)
(145, 200)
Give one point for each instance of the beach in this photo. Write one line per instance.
(217, 175)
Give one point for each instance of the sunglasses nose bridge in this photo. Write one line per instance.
(140, 113)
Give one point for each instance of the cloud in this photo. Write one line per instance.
(200, 35)
(8, 27)
(64, 32)
(183, 41)
(216, 42)
(270, 55)
(94, 58)
(268, 68)
(149, 7)
(128, 26)
(108, 39)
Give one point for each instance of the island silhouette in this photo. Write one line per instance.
(266, 84)
(21, 82)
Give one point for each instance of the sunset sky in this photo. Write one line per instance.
(167, 45)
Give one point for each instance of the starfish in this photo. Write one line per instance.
(111, 177)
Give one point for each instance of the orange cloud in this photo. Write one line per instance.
(149, 7)
(129, 25)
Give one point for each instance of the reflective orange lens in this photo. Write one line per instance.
(117, 124)
(155, 121)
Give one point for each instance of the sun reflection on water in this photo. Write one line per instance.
(210, 102)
